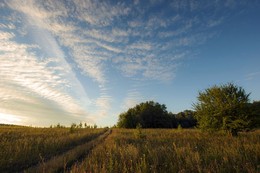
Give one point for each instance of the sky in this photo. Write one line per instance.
(71, 61)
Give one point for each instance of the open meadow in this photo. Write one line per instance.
(162, 150)
(26, 149)
(129, 86)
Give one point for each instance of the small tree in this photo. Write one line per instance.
(80, 125)
(73, 127)
(223, 108)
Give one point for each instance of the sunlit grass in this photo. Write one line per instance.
(22, 147)
(173, 151)
(136, 150)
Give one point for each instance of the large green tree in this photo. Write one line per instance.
(149, 114)
(223, 107)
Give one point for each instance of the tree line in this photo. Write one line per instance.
(218, 108)
(151, 114)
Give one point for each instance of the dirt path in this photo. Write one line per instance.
(63, 162)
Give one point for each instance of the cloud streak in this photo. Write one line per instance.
(28, 83)
(87, 29)
(54, 46)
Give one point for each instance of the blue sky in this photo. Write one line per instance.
(77, 61)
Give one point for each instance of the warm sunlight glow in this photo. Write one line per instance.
(9, 119)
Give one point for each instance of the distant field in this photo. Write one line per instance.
(24, 149)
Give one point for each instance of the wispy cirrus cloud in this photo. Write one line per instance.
(97, 35)
(30, 86)
(133, 98)
(100, 13)
(99, 38)
(252, 76)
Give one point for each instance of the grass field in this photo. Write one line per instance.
(124, 150)
(173, 151)
(23, 147)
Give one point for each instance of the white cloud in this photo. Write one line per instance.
(108, 47)
(252, 75)
(7, 26)
(119, 32)
(158, 71)
(142, 46)
(135, 23)
(25, 78)
(104, 104)
(133, 98)
(89, 64)
(99, 13)
(50, 20)
(98, 35)
(213, 23)
(178, 32)
(92, 47)
(6, 36)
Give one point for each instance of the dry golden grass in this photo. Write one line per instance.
(136, 150)
(63, 162)
(23, 147)
(161, 150)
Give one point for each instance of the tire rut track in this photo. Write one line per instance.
(65, 161)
